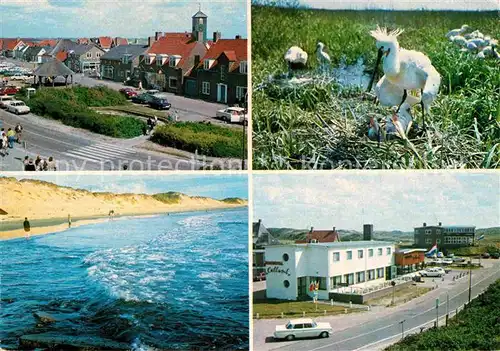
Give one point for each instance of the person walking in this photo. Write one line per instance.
(27, 227)
(11, 136)
(51, 164)
(5, 144)
(18, 129)
(69, 221)
(30, 166)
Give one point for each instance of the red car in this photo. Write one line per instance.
(128, 92)
(9, 90)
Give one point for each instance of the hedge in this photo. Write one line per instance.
(206, 139)
(71, 107)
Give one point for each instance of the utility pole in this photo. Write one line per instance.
(245, 121)
(402, 329)
(437, 313)
(393, 283)
(470, 279)
(447, 307)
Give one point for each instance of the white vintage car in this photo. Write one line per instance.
(302, 328)
(18, 107)
(433, 272)
(232, 114)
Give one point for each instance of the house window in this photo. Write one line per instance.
(428, 231)
(108, 72)
(205, 88)
(320, 280)
(89, 55)
(149, 59)
(360, 277)
(349, 255)
(159, 61)
(380, 251)
(223, 73)
(125, 59)
(428, 241)
(336, 256)
(285, 257)
(286, 283)
(206, 64)
(380, 272)
(173, 61)
(371, 274)
(98, 54)
(172, 83)
(360, 253)
(370, 252)
(243, 67)
(335, 281)
(241, 92)
(388, 251)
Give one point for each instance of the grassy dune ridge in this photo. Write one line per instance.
(463, 131)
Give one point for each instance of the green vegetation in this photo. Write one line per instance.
(400, 296)
(271, 308)
(233, 200)
(320, 125)
(207, 139)
(71, 106)
(168, 198)
(475, 328)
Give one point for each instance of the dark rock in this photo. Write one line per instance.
(44, 318)
(56, 341)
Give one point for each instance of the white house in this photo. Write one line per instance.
(290, 269)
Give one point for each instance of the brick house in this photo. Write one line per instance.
(221, 75)
(120, 63)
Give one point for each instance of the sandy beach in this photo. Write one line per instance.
(43, 201)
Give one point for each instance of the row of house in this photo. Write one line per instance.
(184, 63)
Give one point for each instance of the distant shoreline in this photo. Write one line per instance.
(62, 224)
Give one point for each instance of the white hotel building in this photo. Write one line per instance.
(290, 269)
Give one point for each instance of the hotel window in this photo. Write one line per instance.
(380, 272)
(360, 253)
(349, 255)
(371, 274)
(380, 251)
(336, 256)
(370, 252)
(286, 283)
(205, 88)
(243, 67)
(335, 281)
(360, 277)
(388, 251)
(320, 280)
(349, 279)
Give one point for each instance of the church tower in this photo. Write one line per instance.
(200, 26)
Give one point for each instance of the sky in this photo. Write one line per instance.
(216, 186)
(388, 200)
(404, 4)
(130, 18)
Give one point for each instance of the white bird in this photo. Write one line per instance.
(490, 51)
(296, 58)
(389, 94)
(407, 69)
(456, 32)
(481, 55)
(323, 57)
(471, 46)
(460, 40)
(477, 34)
(478, 42)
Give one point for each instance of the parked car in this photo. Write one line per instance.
(458, 259)
(485, 255)
(302, 328)
(447, 261)
(144, 98)
(495, 255)
(128, 92)
(9, 90)
(5, 100)
(160, 104)
(232, 114)
(152, 91)
(18, 107)
(433, 272)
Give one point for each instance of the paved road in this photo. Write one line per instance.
(76, 149)
(367, 330)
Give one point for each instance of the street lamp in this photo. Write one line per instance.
(393, 283)
(470, 279)
(245, 122)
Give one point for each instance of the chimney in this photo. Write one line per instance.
(333, 229)
(217, 36)
(158, 35)
(238, 37)
(151, 40)
(196, 63)
(367, 232)
(260, 220)
(440, 224)
(425, 224)
(312, 229)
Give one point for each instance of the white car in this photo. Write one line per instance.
(232, 114)
(5, 100)
(19, 77)
(302, 328)
(433, 272)
(18, 107)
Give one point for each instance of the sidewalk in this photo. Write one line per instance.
(14, 160)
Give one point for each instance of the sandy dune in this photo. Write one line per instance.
(42, 200)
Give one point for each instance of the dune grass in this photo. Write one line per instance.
(321, 126)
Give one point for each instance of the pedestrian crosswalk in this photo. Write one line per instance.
(101, 152)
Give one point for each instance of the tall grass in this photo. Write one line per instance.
(320, 126)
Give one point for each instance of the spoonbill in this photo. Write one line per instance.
(323, 57)
(296, 58)
(456, 32)
(471, 46)
(460, 40)
(389, 94)
(407, 69)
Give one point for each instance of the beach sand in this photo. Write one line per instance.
(39, 200)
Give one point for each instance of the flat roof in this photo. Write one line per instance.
(404, 251)
(446, 226)
(342, 244)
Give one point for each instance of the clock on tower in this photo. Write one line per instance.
(200, 26)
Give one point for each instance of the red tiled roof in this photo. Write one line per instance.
(62, 56)
(83, 40)
(47, 42)
(321, 236)
(12, 44)
(234, 49)
(105, 42)
(169, 45)
(121, 41)
(184, 35)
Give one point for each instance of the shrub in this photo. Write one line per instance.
(208, 140)
(71, 107)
